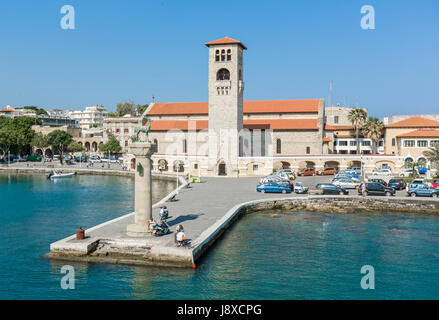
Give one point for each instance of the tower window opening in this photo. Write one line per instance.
(223, 55)
(223, 74)
(229, 55)
(217, 55)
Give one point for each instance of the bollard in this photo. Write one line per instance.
(80, 234)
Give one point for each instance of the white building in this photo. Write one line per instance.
(91, 117)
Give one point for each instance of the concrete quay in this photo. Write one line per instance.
(206, 210)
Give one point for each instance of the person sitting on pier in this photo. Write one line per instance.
(152, 225)
(181, 238)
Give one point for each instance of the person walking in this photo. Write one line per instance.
(363, 189)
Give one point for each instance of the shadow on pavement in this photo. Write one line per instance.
(187, 217)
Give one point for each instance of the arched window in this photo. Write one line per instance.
(217, 55)
(223, 74)
(156, 143)
(308, 150)
(278, 146)
(229, 55)
(223, 55)
(184, 146)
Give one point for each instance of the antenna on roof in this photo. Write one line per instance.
(330, 93)
(153, 99)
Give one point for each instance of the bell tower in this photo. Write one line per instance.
(226, 91)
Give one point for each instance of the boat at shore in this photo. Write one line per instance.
(56, 175)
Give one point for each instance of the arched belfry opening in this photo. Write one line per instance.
(223, 74)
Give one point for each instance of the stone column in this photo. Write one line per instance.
(142, 188)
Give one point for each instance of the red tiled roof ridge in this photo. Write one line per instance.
(225, 40)
(425, 133)
(250, 106)
(414, 121)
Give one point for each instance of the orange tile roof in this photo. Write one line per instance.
(267, 106)
(7, 110)
(330, 127)
(346, 136)
(420, 133)
(415, 122)
(225, 40)
(275, 124)
(325, 139)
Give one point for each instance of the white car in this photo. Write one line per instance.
(346, 184)
(300, 188)
(95, 159)
(385, 172)
(406, 173)
(346, 176)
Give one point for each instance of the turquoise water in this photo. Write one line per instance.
(303, 255)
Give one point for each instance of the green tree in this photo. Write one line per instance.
(40, 141)
(357, 117)
(75, 147)
(16, 135)
(125, 108)
(413, 165)
(111, 146)
(60, 141)
(141, 109)
(374, 129)
(38, 111)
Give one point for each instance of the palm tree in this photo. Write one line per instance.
(432, 155)
(413, 165)
(374, 129)
(357, 117)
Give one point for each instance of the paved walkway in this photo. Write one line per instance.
(196, 208)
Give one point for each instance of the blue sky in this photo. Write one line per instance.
(131, 50)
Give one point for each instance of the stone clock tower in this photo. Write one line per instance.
(226, 90)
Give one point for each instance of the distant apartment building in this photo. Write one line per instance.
(123, 128)
(49, 120)
(91, 117)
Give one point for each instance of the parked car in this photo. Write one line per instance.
(80, 159)
(377, 189)
(327, 188)
(397, 184)
(383, 171)
(422, 190)
(300, 188)
(435, 184)
(422, 170)
(346, 176)
(327, 171)
(272, 188)
(34, 158)
(95, 159)
(346, 183)
(306, 172)
(111, 159)
(406, 173)
(56, 157)
(377, 180)
(357, 170)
